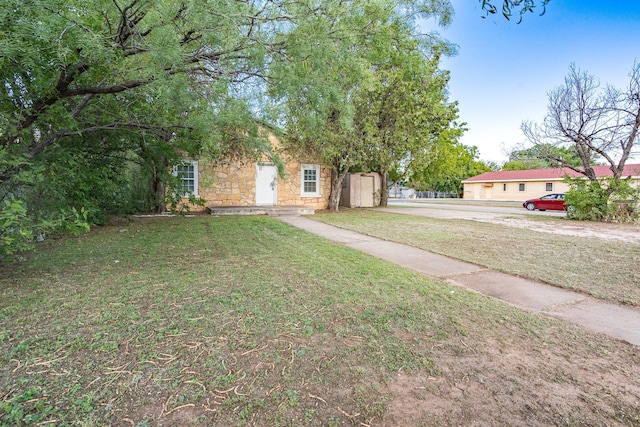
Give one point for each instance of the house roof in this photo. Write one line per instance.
(548, 174)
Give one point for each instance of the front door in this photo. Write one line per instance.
(266, 184)
(366, 191)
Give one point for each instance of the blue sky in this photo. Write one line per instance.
(503, 71)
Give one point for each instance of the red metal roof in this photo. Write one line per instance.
(550, 174)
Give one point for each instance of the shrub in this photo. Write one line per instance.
(604, 200)
(19, 231)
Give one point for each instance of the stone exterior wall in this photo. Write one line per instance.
(228, 185)
(289, 187)
(234, 184)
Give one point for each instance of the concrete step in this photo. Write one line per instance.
(261, 210)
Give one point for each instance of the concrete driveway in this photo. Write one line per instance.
(515, 216)
(436, 208)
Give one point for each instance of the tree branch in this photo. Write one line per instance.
(97, 90)
(163, 131)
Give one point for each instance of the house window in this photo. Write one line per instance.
(521, 186)
(188, 173)
(504, 187)
(310, 186)
(549, 186)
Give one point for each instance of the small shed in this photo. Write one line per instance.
(361, 190)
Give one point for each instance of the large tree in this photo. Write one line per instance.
(342, 55)
(94, 88)
(596, 123)
(80, 68)
(313, 89)
(592, 121)
(405, 114)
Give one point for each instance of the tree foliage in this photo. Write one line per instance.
(403, 115)
(511, 8)
(452, 163)
(314, 88)
(345, 58)
(542, 156)
(99, 98)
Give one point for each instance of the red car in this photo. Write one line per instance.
(552, 202)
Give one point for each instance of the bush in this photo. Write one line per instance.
(605, 200)
(20, 231)
(16, 228)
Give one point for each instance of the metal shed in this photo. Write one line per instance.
(361, 190)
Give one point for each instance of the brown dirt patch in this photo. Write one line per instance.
(494, 385)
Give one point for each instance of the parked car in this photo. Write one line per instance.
(552, 202)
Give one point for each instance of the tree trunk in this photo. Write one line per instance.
(336, 188)
(384, 188)
(590, 173)
(158, 187)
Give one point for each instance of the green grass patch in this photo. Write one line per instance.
(605, 269)
(248, 321)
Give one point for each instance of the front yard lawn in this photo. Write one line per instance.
(237, 321)
(605, 269)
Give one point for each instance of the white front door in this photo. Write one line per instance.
(266, 184)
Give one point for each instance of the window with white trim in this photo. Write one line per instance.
(521, 186)
(187, 171)
(549, 186)
(310, 184)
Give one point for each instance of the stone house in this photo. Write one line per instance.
(248, 183)
(528, 184)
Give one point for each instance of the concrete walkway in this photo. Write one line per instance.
(619, 322)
